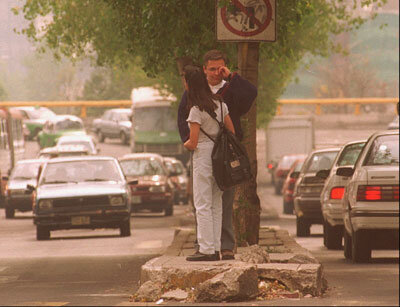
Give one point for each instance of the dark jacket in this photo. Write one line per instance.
(238, 94)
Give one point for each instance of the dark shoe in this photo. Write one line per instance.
(201, 257)
(227, 254)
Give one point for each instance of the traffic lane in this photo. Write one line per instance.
(375, 283)
(79, 281)
(151, 234)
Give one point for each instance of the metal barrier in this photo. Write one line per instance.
(127, 103)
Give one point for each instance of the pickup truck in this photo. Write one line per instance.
(115, 123)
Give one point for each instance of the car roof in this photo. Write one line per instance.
(145, 155)
(58, 118)
(30, 161)
(121, 110)
(83, 137)
(81, 158)
(385, 132)
(325, 150)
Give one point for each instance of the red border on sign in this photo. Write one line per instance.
(251, 33)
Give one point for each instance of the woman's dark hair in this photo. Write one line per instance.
(199, 92)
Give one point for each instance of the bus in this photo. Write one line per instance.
(154, 124)
(12, 145)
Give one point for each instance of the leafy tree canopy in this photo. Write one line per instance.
(115, 32)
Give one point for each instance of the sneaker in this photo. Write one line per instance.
(227, 254)
(202, 257)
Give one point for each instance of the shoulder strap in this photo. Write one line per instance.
(220, 123)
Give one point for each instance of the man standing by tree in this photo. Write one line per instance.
(238, 94)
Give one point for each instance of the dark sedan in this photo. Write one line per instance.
(18, 197)
(81, 192)
(154, 190)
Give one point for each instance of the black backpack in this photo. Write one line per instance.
(230, 162)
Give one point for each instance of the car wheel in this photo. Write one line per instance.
(125, 228)
(302, 227)
(42, 233)
(10, 212)
(123, 137)
(360, 248)
(100, 136)
(287, 207)
(347, 245)
(333, 236)
(169, 210)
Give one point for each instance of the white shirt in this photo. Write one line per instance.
(215, 88)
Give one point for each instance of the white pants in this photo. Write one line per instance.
(207, 199)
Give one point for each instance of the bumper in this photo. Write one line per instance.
(150, 202)
(374, 220)
(308, 208)
(103, 219)
(333, 213)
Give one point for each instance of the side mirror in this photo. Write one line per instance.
(132, 182)
(323, 174)
(295, 175)
(30, 187)
(345, 171)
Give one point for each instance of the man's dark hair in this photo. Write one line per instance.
(214, 55)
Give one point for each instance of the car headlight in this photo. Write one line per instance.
(158, 189)
(116, 200)
(45, 204)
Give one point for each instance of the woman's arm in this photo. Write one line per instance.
(191, 143)
(228, 124)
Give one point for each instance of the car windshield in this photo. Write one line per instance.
(350, 154)
(320, 161)
(384, 151)
(85, 144)
(142, 167)
(178, 168)
(80, 171)
(68, 124)
(155, 119)
(124, 116)
(298, 166)
(25, 171)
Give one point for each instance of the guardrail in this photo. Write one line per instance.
(127, 103)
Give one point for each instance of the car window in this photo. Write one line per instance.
(350, 154)
(178, 168)
(123, 116)
(25, 171)
(384, 151)
(320, 161)
(68, 124)
(142, 167)
(298, 166)
(80, 171)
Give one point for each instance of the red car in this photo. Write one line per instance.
(282, 169)
(288, 185)
(154, 191)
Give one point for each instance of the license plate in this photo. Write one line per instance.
(136, 200)
(80, 220)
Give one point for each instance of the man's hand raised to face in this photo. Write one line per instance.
(224, 72)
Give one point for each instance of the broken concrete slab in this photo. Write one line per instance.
(254, 254)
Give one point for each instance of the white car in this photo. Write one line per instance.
(371, 199)
(84, 140)
(332, 194)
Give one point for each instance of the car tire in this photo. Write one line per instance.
(302, 227)
(125, 228)
(333, 235)
(169, 210)
(287, 207)
(42, 233)
(100, 136)
(347, 246)
(360, 248)
(123, 137)
(10, 212)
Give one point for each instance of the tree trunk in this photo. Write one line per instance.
(247, 204)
